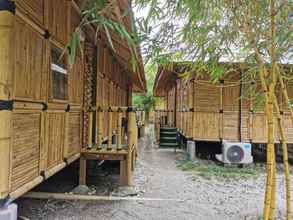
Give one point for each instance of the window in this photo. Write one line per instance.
(59, 75)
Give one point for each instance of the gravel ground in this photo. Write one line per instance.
(171, 194)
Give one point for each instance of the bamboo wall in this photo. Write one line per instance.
(207, 111)
(44, 131)
(41, 133)
(112, 84)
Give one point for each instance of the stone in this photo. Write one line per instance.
(124, 191)
(81, 190)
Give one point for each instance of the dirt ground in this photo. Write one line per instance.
(164, 192)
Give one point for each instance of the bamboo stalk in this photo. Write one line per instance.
(273, 99)
(110, 130)
(131, 142)
(119, 131)
(76, 197)
(99, 128)
(284, 91)
(285, 160)
(270, 143)
(90, 129)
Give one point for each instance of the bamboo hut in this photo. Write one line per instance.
(50, 114)
(206, 111)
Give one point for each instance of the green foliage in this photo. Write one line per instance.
(209, 32)
(99, 13)
(212, 170)
(147, 101)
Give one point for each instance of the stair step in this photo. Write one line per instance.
(169, 145)
(168, 129)
(169, 138)
(168, 141)
(169, 132)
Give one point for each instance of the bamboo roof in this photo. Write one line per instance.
(168, 74)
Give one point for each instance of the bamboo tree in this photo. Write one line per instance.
(285, 159)
(260, 32)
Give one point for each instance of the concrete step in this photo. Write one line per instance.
(168, 129)
(169, 133)
(169, 144)
(169, 138)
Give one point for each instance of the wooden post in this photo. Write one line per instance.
(131, 142)
(99, 128)
(110, 131)
(221, 112)
(6, 66)
(82, 171)
(90, 129)
(134, 152)
(119, 130)
(251, 115)
(123, 173)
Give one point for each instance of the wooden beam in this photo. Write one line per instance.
(111, 157)
(25, 188)
(63, 196)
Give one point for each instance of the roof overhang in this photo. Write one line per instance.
(167, 75)
(123, 52)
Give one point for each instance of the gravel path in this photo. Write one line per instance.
(174, 194)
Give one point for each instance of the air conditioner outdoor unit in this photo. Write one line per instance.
(235, 153)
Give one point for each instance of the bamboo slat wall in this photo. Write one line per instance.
(211, 111)
(41, 132)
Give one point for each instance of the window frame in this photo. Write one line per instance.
(53, 66)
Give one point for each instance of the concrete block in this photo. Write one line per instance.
(191, 150)
(9, 212)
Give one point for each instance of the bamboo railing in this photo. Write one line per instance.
(120, 126)
(117, 142)
(165, 117)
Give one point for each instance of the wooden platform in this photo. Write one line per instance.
(124, 155)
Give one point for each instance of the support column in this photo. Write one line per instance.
(7, 18)
(131, 142)
(82, 172)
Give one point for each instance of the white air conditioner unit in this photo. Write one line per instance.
(235, 153)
